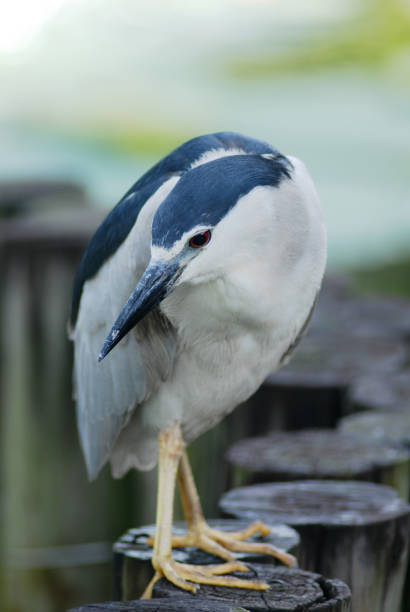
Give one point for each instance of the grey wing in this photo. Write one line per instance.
(108, 392)
(289, 351)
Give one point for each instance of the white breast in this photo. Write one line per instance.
(238, 307)
(242, 303)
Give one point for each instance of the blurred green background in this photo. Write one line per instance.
(93, 92)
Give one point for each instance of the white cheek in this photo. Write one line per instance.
(198, 269)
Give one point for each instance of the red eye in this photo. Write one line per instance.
(200, 240)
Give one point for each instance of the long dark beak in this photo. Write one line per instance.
(156, 282)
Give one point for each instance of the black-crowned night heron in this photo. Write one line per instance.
(218, 254)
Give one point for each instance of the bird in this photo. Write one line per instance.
(197, 285)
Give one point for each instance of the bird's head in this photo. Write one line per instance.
(192, 233)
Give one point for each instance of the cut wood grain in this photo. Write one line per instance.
(160, 605)
(356, 531)
(290, 591)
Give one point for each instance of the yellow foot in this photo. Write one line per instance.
(224, 544)
(186, 576)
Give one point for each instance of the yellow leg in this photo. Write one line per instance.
(182, 575)
(170, 447)
(216, 541)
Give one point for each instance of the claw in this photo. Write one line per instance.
(263, 549)
(186, 576)
(223, 544)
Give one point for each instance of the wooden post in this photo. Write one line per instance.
(389, 392)
(50, 512)
(25, 196)
(321, 454)
(312, 389)
(358, 532)
(177, 604)
(132, 557)
(378, 425)
(343, 309)
(393, 426)
(290, 591)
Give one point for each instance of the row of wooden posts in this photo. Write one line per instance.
(355, 531)
(355, 357)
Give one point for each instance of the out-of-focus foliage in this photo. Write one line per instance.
(390, 278)
(149, 140)
(380, 32)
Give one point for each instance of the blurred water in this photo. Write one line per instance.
(351, 128)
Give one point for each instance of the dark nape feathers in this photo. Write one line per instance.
(223, 181)
(117, 225)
